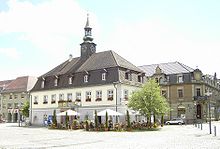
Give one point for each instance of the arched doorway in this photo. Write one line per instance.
(198, 111)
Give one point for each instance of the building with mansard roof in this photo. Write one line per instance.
(93, 81)
(187, 91)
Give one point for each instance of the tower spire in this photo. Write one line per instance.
(88, 31)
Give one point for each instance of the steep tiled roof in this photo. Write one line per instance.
(96, 61)
(20, 84)
(63, 68)
(167, 68)
(106, 59)
(4, 84)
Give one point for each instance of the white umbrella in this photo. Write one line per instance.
(69, 113)
(110, 113)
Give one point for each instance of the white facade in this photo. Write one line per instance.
(40, 111)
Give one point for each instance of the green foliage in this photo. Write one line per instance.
(54, 119)
(148, 100)
(25, 109)
(75, 124)
(128, 120)
(87, 125)
(67, 120)
(96, 120)
(106, 119)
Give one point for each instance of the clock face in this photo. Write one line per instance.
(92, 48)
(84, 47)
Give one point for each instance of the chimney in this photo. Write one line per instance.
(70, 57)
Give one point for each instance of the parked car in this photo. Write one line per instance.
(177, 121)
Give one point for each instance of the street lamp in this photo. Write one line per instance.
(116, 99)
(208, 94)
(19, 117)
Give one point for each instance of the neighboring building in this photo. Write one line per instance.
(93, 81)
(186, 90)
(3, 85)
(14, 95)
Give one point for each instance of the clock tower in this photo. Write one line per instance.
(87, 47)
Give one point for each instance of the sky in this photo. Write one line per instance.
(38, 35)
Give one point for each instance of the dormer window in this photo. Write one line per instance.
(140, 79)
(86, 78)
(180, 79)
(103, 76)
(42, 84)
(128, 75)
(55, 82)
(70, 80)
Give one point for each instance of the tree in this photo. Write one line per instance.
(128, 121)
(54, 118)
(96, 120)
(25, 109)
(148, 100)
(67, 120)
(106, 120)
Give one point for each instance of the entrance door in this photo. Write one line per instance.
(199, 111)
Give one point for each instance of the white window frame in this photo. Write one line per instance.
(70, 80)
(88, 95)
(56, 82)
(61, 97)
(36, 99)
(126, 94)
(104, 76)
(98, 95)
(42, 84)
(86, 78)
(180, 79)
(69, 96)
(53, 97)
(45, 98)
(78, 96)
(110, 94)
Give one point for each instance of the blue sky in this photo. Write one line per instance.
(37, 35)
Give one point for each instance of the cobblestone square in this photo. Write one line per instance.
(169, 137)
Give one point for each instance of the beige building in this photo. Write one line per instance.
(14, 95)
(189, 92)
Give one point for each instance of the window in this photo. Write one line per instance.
(42, 84)
(86, 78)
(53, 98)
(98, 96)
(78, 97)
(16, 105)
(140, 79)
(55, 82)
(103, 76)
(61, 97)
(126, 75)
(110, 94)
(180, 93)
(45, 99)
(10, 96)
(69, 97)
(88, 96)
(126, 94)
(70, 80)
(164, 93)
(22, 96)
(168, 78)
(180, 79)
(198, 93)
(35, 99)
(16, 96)
(9, 105)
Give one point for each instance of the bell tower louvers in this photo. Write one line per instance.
(87, 47)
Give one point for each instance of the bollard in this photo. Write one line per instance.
(201, 126)
(215, 131)
(198, 125)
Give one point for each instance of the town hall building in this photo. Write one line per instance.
(93, 81)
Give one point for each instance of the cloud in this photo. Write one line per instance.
(10, 52)
(157, 41)
(51, 26)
